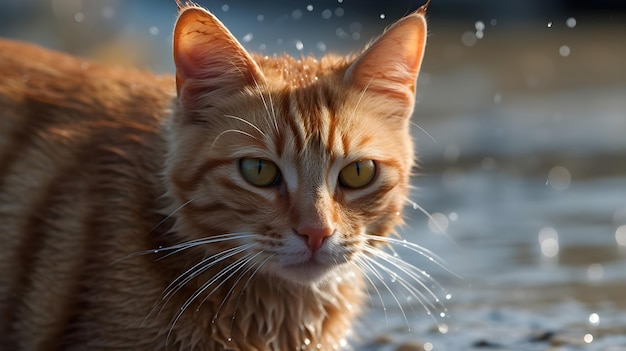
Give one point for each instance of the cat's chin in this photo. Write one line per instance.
(307, 273)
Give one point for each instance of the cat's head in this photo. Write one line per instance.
(291, 164)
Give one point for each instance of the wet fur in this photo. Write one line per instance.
(124, 222)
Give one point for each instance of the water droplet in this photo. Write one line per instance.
(79, 17)
(549, 24)
(480, 26)
(588, 338)
(108, 12)
(229, 339)
(620, 235)
(594, 319)
(497, 98)
(299, 45)
(570, 22)
(595, 271)
(225, 7)
(309, 7)
(559, 178)
(326, 14)
(453, 216)
(449, 297)
(469, 39)
(307, 341)
(428, 346)
(443, 328)
(382, 16)
(442, 315)
(296, 14)
(341, 33)
(340, 1)
(247, 38)
(549, 242)
(565, 51)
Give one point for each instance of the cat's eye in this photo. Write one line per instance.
(259, 172)
(357, 174)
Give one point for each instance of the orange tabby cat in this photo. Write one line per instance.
(235, 207)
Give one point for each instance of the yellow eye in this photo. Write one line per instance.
(259, 172)
(357, 174)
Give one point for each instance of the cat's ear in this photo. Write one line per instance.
(210, 62)
(390, 65)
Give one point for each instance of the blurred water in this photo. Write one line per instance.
(526, 172)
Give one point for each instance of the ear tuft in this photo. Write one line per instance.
(391, 64)
(209, 60)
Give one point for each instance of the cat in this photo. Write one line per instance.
(235, 206)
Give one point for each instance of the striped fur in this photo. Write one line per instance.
(126, 224)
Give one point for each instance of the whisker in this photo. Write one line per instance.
(256, 270)
(416, 206)
(201, 267)
(408, 269)
(152, 229)
(362, 94)
(358, 262)
(171, 214)
(192, 273)
(269, 109)
(368, 263)
(192, 243)
(246, 122)
(426, 253)
(234, 266)
(424, 131)
(198, 242)
(248, 259)
(231, 131)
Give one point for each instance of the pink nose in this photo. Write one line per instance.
(314, 236)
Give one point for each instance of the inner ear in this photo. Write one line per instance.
(209, 60)
(391, 64)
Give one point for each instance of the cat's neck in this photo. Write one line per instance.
(251, 311)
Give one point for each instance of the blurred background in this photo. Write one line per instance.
(520, 128)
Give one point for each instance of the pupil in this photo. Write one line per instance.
(358, 169)
(260, 167)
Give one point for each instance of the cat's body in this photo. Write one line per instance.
(99, 165)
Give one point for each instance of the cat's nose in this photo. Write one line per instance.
(314, 237)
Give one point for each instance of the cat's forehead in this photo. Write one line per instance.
(302, 72)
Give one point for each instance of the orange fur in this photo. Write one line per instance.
(107, 175)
